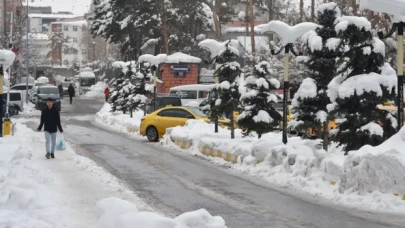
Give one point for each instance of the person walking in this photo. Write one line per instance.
(50, 120)
(60, 87)
(71, 92)
(106, 93)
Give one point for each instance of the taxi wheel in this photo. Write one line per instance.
(152, 134)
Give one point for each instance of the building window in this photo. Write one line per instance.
(74, 28)
(65, 28)
(74, 40)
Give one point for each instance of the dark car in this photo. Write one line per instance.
(162, 102)
(12, 109)
(45, 92)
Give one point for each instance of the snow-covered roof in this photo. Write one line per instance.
(39, 36)
(153, 60)
(217, 48)
(87, 74)
(55, 16)
(73, 23)
(179, 57)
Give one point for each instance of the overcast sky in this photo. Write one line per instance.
(75, 6)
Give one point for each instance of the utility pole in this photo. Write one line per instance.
(28, 56)
(5, 23)
(164, 30)
(313, 11)
(252, 26)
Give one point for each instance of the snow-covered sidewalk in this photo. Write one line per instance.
(72, 191)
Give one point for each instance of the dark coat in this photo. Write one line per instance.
(60, 87)
(50, 119)
(71, 91)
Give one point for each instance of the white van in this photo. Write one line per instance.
(86, 80)
(188, 93)
(16, 99)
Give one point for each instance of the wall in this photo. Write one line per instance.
(169, 79)
(35, 24)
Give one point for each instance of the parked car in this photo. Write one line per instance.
(154, 126)
(45, 92)
(11, 109)
(162, 102)
(23, 88)
(16, 99)
(188, 93)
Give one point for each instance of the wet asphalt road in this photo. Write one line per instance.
(174, 183)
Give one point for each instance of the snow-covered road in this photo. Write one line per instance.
(173, 183)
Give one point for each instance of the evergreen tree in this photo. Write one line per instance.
(259, 115)
(117, 84)
(364, 81)
(310, 101)
(142, 74)
(228, 72)
(59, 44)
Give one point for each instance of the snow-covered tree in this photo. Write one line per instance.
(141, 75)
(364, 81)
(228, 72)
(59, 44)
(115, 99)
(310, 101)
(259, 114)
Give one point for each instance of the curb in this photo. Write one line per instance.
(132, 129)
(208, 151)
(219, 154)
(401, 196)
(183, 144)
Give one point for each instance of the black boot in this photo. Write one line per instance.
(53, 156)
(48, 155)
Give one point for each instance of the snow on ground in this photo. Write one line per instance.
(367, 179)
(118, 121)
(29, 109)
(96, 91)
(72, 191)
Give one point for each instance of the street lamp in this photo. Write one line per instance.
(288, 35)
(397, 9)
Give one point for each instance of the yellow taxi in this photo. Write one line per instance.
(154, 125)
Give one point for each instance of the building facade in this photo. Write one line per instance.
(8, 15)
(72, 51)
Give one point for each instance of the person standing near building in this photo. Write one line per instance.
(50, 120)
(106, 94)
(60, 87)
(71, 92)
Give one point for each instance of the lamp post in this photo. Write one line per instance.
(28, 53)
(288, 35)
(395, 8)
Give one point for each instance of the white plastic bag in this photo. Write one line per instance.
(60, 142)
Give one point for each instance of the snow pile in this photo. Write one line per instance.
(117, 213)
(365, 179)
(287, 33)
(379, 168)
(118, 121)
(97, 90)
(25, 200)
